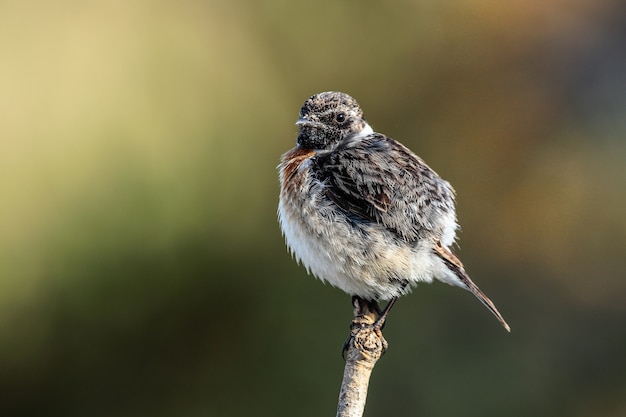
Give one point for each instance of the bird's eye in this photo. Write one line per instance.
(340, 117)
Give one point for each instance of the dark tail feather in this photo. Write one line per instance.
(456, 266)
(484, 299)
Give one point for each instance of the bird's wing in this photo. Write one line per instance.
(376, 179)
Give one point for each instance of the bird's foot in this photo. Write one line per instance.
(368, 321)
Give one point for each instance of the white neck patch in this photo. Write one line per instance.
(367, 130)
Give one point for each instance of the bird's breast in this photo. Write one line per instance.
(291, 165)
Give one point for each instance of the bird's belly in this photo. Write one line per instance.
(361, 259)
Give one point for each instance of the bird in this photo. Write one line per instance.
(363, 212)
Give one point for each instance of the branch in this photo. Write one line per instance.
(363, 348)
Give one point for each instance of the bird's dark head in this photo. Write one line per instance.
(327, 118)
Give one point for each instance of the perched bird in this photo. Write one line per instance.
(363, 212)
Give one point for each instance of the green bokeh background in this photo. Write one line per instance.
(142, 270)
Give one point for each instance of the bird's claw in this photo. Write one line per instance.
(368, 318)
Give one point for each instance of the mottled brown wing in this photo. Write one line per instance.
(376, 179)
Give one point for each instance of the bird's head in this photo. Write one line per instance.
(327, 118)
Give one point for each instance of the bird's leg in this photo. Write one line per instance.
(364, 307)
(382, 316)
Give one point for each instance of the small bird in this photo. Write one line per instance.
(361, 211)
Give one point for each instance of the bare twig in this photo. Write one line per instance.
(363, 349)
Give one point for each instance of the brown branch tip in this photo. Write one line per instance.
(362, 350)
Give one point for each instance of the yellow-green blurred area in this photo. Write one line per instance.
(142, 270)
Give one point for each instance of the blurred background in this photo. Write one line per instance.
(142, 270)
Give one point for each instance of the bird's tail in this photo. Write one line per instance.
(485, 300)
(455, 265)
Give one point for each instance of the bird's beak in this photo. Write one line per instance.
(306, 122)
